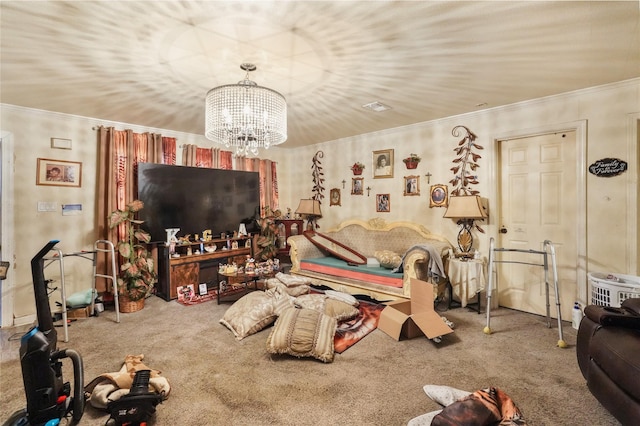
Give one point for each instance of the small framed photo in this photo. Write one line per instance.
(383, 203)
(412, 185)
(334, 197)
(439, 196)
(383, 164)
(202, 289)
(4, 267)
(357, 186)
(59, 173)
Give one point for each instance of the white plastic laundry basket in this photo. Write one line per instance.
(613, 289)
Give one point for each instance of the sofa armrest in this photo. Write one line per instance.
(301, 248)
(416, 265)
(632, 304)
(613, 317)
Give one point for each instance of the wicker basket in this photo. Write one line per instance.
(127, 305)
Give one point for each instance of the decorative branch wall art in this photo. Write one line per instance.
(466, 162)
(318, 177)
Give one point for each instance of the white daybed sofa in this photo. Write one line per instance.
(423, 255)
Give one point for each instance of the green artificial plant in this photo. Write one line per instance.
(266, 242)
(137, 272)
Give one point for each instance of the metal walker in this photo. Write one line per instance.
(549, 249)
(100, 246)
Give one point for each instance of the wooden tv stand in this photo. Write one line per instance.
(174, 272)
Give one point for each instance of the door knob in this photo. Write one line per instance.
(503, 230)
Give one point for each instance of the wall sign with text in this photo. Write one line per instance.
(608, 167)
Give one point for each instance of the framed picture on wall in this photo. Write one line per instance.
(439, 196)
(357, 186)
(383, 203)
(412, 185)
(383, 164)
(334, 197)
(58, 173)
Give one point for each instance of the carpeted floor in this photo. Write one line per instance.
(216, 379)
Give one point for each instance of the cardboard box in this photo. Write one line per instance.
(406, 319)
(78, 313)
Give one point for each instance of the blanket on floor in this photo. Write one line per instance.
(484, 407)
(112, 386)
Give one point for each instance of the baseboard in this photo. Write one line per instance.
(28, 319)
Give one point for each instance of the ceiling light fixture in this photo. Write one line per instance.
(376, 106)
(245, 116)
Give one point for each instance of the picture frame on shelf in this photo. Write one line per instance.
(439, 196)
(412, 185)
(383, 203)
(334, 197)
(357, 186)
(383, 164)
(51, 172)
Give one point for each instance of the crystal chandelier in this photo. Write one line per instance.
(245, 116)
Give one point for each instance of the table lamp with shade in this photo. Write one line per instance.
(466, 209)
(309, 209)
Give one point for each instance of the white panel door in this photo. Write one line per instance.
(538, 203)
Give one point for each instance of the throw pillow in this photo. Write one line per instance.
(249, 314)
(303, 333)
(291, 280)
(388, 259)
(294, 291)
(337, 309)
(343, 297)
(281, 299)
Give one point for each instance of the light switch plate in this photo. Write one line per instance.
(47, 206)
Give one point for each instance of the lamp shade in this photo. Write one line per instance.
(465, 207)
(309, 207)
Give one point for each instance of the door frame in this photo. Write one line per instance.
(633, 205)
(580, 127)
(7, 289)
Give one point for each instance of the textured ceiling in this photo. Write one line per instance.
(151, 63)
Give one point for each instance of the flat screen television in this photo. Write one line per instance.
(195, 199)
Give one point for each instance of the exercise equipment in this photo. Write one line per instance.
(49, 398)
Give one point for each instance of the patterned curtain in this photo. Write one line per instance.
(119, 152)
(269, 196)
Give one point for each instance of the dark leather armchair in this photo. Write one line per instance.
(608, 348)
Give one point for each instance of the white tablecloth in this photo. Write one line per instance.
(467, 278)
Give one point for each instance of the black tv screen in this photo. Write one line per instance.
(195, 199)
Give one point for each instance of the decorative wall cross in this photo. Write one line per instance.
(428, 175)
